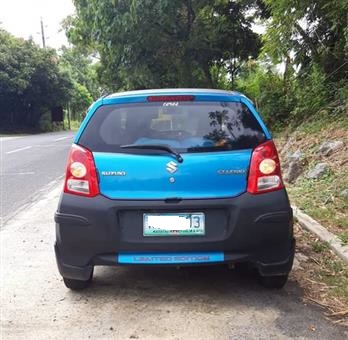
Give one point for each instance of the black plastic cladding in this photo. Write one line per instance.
(255, 228)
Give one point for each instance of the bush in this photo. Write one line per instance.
(266, 88)
(31, 83)
(45, 122)
(290, 100)
(312, 93)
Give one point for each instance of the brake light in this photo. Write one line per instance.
(81, 174)
(264, 172)
(180, 98)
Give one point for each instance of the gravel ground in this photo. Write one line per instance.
(137, 303)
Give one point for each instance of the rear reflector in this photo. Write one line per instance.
(180, 98)
(77, 185)
(268, 182)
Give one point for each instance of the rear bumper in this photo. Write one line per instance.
(247, 228)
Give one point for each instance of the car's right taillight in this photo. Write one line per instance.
(81, 174)
(264, 171)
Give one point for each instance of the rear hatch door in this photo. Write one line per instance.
(201, 175)
(215, 140)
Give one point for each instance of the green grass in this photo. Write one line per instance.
(11, 135)
(321, 199)
(322, 120)
(343, 236)
(314, 124)
(327, 267)
(335, 275)
(74, 124)
(319, 246)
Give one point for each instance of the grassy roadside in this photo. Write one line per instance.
(322, 199)
(24, 132)
(322, 275)
(14, 134)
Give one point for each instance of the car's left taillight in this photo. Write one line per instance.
(264, 172)
(81, 174)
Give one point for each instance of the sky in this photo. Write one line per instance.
(22, 19)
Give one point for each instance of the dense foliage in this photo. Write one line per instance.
(302, 67)
(296, 68)
(83, 77)
(35, 81)
(31, 83)
(310, 32)
(166, 43)
(309, 40)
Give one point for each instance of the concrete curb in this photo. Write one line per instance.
(313, 226)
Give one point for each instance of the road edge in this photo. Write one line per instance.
(32, 200)
(321, 232)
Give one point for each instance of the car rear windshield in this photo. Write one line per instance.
(183, 126)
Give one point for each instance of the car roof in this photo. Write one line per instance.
(173, 91)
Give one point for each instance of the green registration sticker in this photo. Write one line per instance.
(174, 224)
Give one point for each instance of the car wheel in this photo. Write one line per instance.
(77, 284)
(273, 282)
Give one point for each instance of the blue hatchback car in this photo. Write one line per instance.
(173, 177)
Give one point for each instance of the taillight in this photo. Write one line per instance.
(264, 172)
(81, 174)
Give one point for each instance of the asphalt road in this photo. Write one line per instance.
(28, 165)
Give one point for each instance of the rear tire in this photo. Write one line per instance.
(273, 282)
(77, 284)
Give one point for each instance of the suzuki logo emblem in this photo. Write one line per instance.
(172, 167)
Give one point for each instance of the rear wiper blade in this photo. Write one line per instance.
(154, 147)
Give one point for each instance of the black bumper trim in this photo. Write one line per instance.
(248, 228)
(69, 218)
(264, 269)
(275, 217)
(72, 272)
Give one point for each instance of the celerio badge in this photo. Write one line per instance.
(231, 171)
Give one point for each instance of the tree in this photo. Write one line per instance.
(81, 68)
(31, 83)
(262, 83)
(314, 31)
(82, 74)
(163, 43)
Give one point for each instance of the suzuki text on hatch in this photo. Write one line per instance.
(173, 177)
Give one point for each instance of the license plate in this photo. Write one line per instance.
(168, 224)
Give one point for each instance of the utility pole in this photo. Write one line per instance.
(43, 34)
(69, 116)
